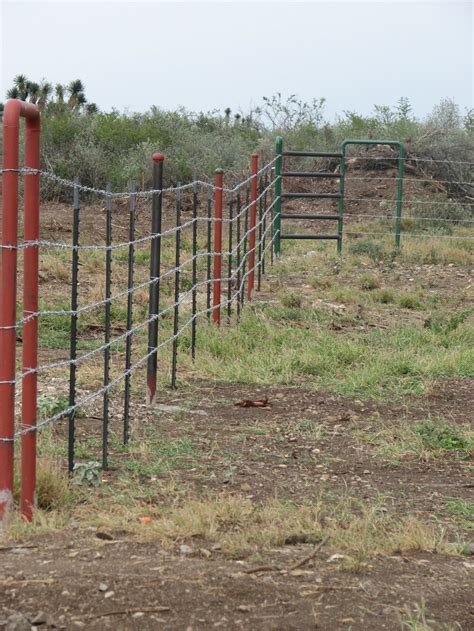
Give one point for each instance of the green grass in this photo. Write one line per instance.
(424, 440)
(268, 346)
(463, 510)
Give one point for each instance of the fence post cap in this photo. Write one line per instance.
(158, 157)
(219, 170)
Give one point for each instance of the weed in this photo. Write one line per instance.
(409, 300)
(373, 249)
(385, 296)
(319, 282)
(441, 436)
(367, 282)
(462, 509)
(50, 406)
(291, 301)
(447, 323)
(87, 473)
(53, 492)
(424, 440)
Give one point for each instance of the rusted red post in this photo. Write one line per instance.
(216, 285)
(30, 328)
(13, 111)
(253, 222)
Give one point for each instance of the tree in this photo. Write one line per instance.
(33, 91)
(76, 94)
(91, 108)
(46, 97)
(45, 91)
(404, 108)
(13, 93)
(20, 82)
(59, 91)
(292, 112)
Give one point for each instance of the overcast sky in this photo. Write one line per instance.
(132, 55)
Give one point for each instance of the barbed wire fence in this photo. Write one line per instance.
(129, 290)
(130, 299)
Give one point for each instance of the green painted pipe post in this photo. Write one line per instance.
(401, 160)
(340, 223)
(277, 212)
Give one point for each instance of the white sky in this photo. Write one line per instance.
(207, 55)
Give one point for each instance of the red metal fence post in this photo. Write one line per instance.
(216, 285)
(253, 223)
(30, 328)
(8, 288)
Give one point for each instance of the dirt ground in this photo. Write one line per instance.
(88, 578)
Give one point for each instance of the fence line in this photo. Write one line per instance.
(220, 278)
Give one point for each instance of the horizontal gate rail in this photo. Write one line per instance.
(322, 174)
(311, 154)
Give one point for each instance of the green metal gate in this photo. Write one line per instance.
(281, 195)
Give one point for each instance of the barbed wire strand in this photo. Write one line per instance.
(92, 396)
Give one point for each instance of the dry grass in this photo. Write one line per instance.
(242, 528)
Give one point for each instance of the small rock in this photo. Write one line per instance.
(337, 557)
(109, 594)
(103, 587)
(245, 487)
(184, 549)
(205, 553)
(105, 536)
(17, 622)
(138, 614)
(244, 608)
(39, 619)
(469, 549)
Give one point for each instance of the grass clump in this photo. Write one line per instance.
(410, 300)
(367, 282)
(291, 300)
(441, 436)
(53, 492)
(374, 250)
(462, 509)
(320, 282)
(425, 440)
(385, 296)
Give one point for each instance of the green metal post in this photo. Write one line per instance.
(398, 224)
(340, 223)
(277, 206)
